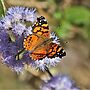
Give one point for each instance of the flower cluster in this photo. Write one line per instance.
(59, 82)
(16, 17)
(14, 27)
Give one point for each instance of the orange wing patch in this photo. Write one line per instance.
(39, 53)
(32, 41)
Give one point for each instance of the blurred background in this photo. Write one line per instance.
(70, 19)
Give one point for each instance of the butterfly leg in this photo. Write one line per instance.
(47, 70)
(17, 55)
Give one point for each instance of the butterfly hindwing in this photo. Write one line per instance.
(51, 50)
(55, 51)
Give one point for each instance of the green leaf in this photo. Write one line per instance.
(77, 15)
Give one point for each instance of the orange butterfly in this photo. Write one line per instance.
(41, 43)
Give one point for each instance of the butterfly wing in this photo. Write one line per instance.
(55, 51)
(32, 41)
(51, 50)
(41, 27)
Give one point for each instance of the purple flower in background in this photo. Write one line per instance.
(59, 82)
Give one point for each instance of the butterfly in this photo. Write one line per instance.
(40, 43)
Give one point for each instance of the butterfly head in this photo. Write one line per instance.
(41, 20)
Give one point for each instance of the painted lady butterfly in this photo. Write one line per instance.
(40, 42)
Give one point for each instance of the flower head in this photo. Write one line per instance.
(4, 40)
(7, 22)
(59, 82)
(14, 22)
(30, 14)
(45, 62)
(15, 13)
(16, 18)
(18, 28)
(9, 51)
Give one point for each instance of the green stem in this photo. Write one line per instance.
(4, 8)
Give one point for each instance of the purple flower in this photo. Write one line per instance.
(7, 22)
(4, 37)
(30, 14)
(19, 42)
(22, 13)
(59, 82)
(15, 13)
(45, 62)
(9, 58)
(19, 28)
(14, 24)
(16, 18)
(4, 40)
(9, 50)
(15, 65)
(1, 25)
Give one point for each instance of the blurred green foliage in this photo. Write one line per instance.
(64, 29)
(78, 16)
(57, 15)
